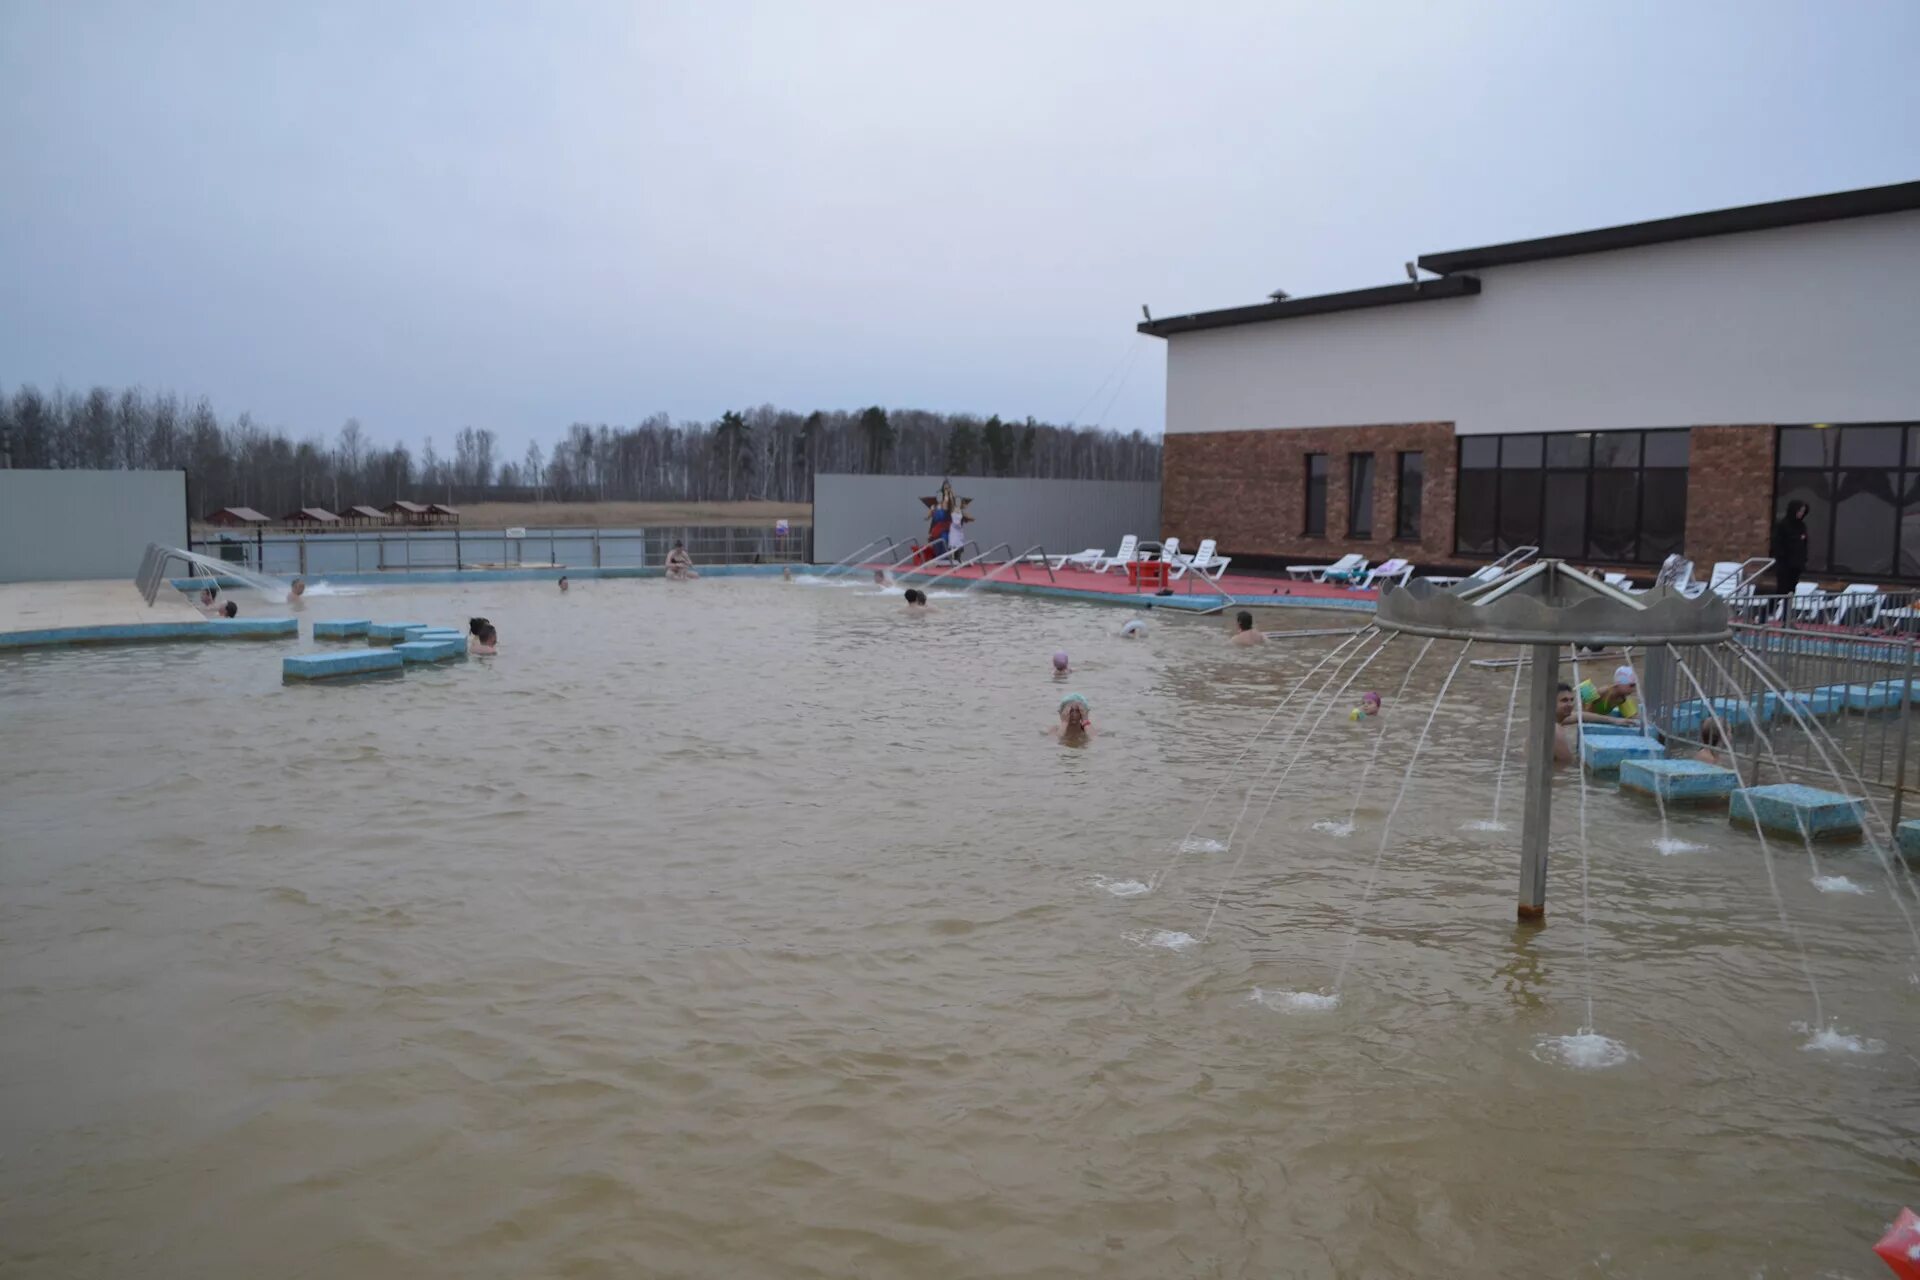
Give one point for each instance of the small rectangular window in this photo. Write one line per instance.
(1808, 446)
(1316, 526)
(1406, 521)
(1360, 495)
(1479, 453)
(1616, 449)
(1566, 450)
(1668, 448)
(1519, 452)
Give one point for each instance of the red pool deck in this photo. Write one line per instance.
(1244, 589)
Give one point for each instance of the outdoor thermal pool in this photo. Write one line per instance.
(755, 930)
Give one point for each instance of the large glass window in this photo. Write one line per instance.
(1360, 495)
(1316, 496)
(1406, 520)
(1861, 484)
(1619, 497)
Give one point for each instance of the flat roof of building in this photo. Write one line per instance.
(1899, 197)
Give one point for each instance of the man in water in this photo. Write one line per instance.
(1062, 668)
(232, 610)
(1566, 723)
(294, 592)
(879, 577)
(563, 583)
(917, 601)
(1244, 635)
(208, 598)
(680, 564)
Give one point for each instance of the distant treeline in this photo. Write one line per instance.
(765, 453)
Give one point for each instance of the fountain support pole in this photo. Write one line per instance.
(1538, 820)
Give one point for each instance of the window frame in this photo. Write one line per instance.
(1536, 449)
(1308, 522)
(1904, 478)
(1403, 531)
(1355, 509)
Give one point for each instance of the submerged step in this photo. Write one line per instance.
(253, 628)
(428, 631)
(1823, 701)
(327, 666)
(341, 628)
(429, 650)
(1606, 753)
(1789, 808)
(1687, 717)
(1620, 730)
(1681, 781)
(1894, 688)
(390, 632)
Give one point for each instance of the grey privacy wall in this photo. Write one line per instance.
(1062, 515)
(60, 525)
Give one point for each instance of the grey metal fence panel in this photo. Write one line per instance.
(1062, 515)
(64, 525)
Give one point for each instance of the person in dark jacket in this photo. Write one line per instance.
(1790, 548)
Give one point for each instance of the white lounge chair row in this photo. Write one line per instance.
(1206, 563)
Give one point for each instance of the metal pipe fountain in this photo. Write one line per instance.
(1546, 606)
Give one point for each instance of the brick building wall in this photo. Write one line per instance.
(1248, 490)
(1729, 494)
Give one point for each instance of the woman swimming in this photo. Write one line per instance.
(481, 637)
(1076, 720)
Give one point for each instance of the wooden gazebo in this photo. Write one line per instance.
(311, 518)
(400, 511)
(238, 518)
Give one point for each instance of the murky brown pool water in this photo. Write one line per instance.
(754, 930)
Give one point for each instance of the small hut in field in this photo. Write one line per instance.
(238, 518)
(311, 518)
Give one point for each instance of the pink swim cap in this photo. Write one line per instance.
(1060, 660)
(1370, 696)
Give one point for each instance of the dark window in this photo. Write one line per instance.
(1406, 521)
(1316, 495)
(1564, 531)
(1619, 497)
(1861, 484)
(1474, 507)
(1360, 495)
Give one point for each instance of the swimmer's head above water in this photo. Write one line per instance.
(1133, 628)
(1060, 662)
(563, 582)
(1075, 713)
(915, 596)
(299, 587)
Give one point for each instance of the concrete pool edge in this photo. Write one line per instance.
(138, 632)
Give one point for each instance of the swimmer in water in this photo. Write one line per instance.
(1133, 629)
(1244, 635)
(1076, 720)
(1711, 745)
(1369, 706)
(1061, 668)
(879, 577)
(231, 611)
(563, 583)
(481, 637)
(786, 573)
(680, 564)
(207, 597)
(917, 601)
(1566, 723)
(298, 589)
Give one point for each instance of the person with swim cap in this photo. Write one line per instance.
(1133, 628)
(1369, 706)
(1076, 720)
(1061, 669)
(917, 601)
(1244, 635)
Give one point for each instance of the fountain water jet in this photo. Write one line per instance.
(1506, 743)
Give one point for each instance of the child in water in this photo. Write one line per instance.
(481, 637)
(1369, 706)
(1076, 720)
(231, 610)
(1061, 669)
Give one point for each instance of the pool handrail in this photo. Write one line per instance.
(841, 566)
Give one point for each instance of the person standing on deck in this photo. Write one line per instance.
(1790, 549)
(957, 536)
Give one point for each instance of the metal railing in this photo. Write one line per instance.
(401, 551)
(1803, 705)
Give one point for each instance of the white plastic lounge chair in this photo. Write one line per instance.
(1856, 605)
(1129, 548)
(1170, 553)
(1340, 570)
(1204, 563)
(1079, 559)
(1619, 580)
(1809, 603)
(1389, 571)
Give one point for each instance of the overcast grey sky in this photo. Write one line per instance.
(518, 216)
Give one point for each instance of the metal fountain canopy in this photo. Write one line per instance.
(1551, 602)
